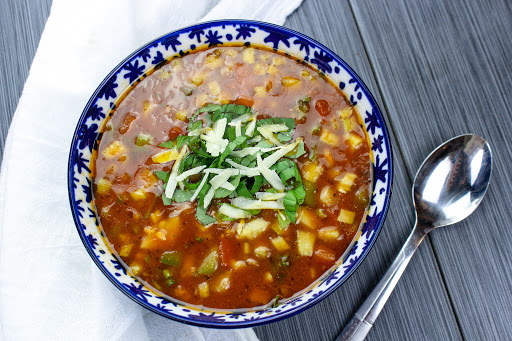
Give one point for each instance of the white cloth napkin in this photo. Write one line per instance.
(49, 287)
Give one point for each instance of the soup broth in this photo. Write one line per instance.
(252, 246)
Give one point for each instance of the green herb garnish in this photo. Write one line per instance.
(229, 153)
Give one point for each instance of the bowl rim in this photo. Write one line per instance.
(263, 320)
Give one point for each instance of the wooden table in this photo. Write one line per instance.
(437, 69)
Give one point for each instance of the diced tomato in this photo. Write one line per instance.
(175, 132)
(227, 250)
(322, 107)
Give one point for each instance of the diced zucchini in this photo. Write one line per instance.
(346, 182)
(311, 171)
(103, 186)
(248, 55)
(125, 250)
(165, 156)
(204, 289)
(305, 243)
(254, 228)
(115, 149)
(327, 196)
(307, 217)
(328, 233)
(171, 258)
(310, 188)
(346, 217)
(354, 140)
(138, 194)
(289, 81)
(143, 139)
(329, 137)
(262, 252)
(166, 273)
(210, 264)
(280, 243)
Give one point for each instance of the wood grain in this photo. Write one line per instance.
(444, 69)
(22, 22)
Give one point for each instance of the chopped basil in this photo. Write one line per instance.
(221, 149)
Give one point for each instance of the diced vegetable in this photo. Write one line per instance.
(182, 115)
(305, 243)
(247, 248)
(214, 87)
(329, 137)
(354, 140)
(103, 186)
(262, 252)
(136, 269)
(307, 217)
(327, 196)
(165, 156)
(310, 188)
(268, 277)
(253, 228)
(325, 255)
(289, 81)
(248, 55)
(143, 139)
(172, 258)
(280, 244)
(346, 182)
(223, 283)
(138, 194)
(346, 217)
(125, 250)
(115, 149)
(345, 112)
(204, 290)
(210, 264)
(311, 171)
(329, 233)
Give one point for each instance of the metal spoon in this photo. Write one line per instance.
(448, 187)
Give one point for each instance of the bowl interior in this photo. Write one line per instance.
(210, 34)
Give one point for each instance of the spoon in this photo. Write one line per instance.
(448, 187)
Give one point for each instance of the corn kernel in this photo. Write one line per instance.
(268, 277)
(204, 290)
(345, 112)
(197, 79)
(181, 115)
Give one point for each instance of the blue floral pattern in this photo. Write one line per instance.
(180, 43)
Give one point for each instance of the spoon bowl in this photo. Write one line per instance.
(452, 181)
(448, 187)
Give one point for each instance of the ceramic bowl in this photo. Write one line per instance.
(178, 43)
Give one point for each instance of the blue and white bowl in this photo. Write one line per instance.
(211, 34)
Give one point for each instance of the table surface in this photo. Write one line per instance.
(437, 69)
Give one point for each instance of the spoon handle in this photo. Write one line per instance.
(365, 317)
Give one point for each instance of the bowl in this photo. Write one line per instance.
(118, 82)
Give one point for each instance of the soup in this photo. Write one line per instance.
(232, 177)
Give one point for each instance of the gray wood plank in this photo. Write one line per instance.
(21, 25)
(407, 316)
(444, 69)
